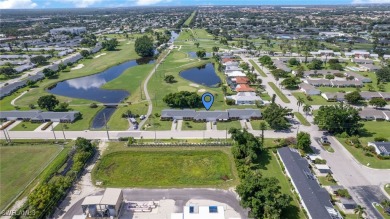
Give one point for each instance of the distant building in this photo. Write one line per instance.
(73, 30)
(331, 34)
(39, 116)
(245, 98)
(230, 114)
(309, 89)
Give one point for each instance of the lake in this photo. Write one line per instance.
(204, 75)
(89, 87)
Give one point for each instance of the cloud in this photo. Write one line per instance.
(81, 3)
(370, 1)
(21, 4)
(149, 2)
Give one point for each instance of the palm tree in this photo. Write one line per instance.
(307, 109)
(263, 126)
(359, 210)
(385, 204)
(300, 102)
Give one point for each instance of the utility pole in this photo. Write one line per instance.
(63, 132)
(5, 135)
(105, 122)
(140, 87)
(9, 137)
(52, 129)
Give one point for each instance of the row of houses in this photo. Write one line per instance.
(366, 95)
(374, 114)
(10, 88)
(333, 83)
(210, 116)
(237, 81)
(314, 199)
(39, 116)
(359, 54)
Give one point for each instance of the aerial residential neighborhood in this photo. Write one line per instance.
(194, 110)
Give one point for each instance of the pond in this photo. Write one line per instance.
(89, 87)
(204, 75)
(194, 56)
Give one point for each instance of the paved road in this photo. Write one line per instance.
(150, 103)
(346, 169)
(369, 195)
(181, 197)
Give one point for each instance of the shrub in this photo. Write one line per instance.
(230, 102)
(343, 193)
(93, 105)
(46, 126)
(309, 98)
(380, 139)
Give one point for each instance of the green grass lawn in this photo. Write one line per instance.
(190, 125)
(279, 92)
(189, 19)
(325, 182)
(82, 124)
(16, 171)
(257, 68)
(157, 124)
(154, 167)
(256, 124)
(374, 129)
(302, 119)
(228, 125)
(269, 167)
(316, 99)
(26, 126)
(328, 148)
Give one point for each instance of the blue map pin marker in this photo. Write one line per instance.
(207, 104)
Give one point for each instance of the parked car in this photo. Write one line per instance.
(324, 140)
(135, 127)
(142, 117)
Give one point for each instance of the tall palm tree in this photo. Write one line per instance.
(300, 102)
(359, 210)
(385, 204)
(263, 126)
(307, 109)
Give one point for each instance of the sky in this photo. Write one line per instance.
(26, 4)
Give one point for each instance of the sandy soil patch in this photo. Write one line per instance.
(194, 85)
(202, 90)
(79, 66)
(99, 55)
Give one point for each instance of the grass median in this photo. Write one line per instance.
(257, 68)
(302, 119)
(279, 92)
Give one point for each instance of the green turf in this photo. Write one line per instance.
(325, 182)
(256, 124)
(257, 68)
(189, 19)
(16, 171)
(279, 92)
(157, 124)
(82, 124)
(190, 125)
(316, 99)
(374, 129)
(228, 125)
(302, 119)
(157, 169)
(26, 126)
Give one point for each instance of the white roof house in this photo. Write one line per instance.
(200, 212)
(245, 98)
(235, 74)
(309, 89)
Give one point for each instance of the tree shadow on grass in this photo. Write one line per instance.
(263, 159)
(291, 212)
(363, 132)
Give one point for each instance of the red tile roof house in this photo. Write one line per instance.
(242, 80)
(224, 60)
(244, 88)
